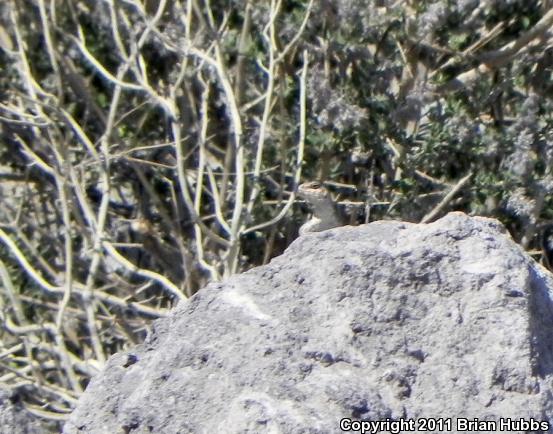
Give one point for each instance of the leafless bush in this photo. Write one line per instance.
(133, 167)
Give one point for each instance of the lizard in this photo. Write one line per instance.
(325, 213)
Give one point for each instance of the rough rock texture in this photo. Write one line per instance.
(387, 320)
(14, 419)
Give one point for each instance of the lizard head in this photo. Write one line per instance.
(313, 191)
(325, 214)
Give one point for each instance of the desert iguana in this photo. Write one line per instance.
(325, 214)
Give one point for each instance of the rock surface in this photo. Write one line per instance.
(386, 320)
(15, 419)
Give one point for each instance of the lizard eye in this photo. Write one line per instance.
(315, 184)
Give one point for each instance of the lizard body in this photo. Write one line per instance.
(325, 214)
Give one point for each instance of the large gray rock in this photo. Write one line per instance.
(15, 419)
(387, 320)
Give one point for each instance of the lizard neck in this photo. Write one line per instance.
(324, 209)
(325, 214)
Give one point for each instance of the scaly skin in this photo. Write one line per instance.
(325, 215)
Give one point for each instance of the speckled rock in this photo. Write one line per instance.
(380, 322)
